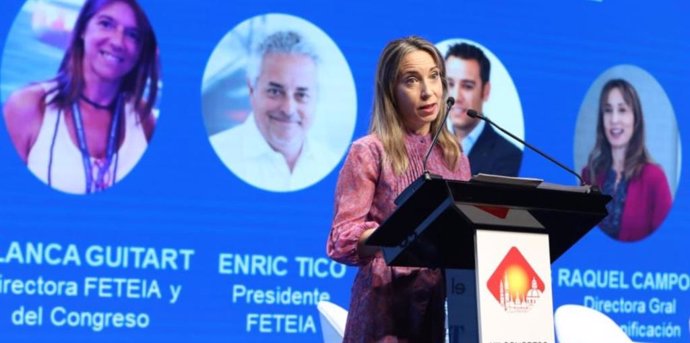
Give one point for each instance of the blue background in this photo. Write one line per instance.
(181, 196)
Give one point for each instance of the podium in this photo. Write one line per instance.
(495, 238)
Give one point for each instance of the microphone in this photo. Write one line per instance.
(416, 184)
(474, 114)
(449, 104)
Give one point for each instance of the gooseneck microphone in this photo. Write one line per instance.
(449, 104)
(474, 114)
(407, 192)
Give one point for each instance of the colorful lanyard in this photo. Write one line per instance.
(110, 148)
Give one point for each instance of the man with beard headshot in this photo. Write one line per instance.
(468, 71)
(271, 149)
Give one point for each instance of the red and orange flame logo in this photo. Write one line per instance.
(515, 284)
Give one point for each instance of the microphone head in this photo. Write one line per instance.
(474, 114)
(450, 102)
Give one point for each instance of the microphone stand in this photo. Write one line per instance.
(449, 104)
(474, 114)
(426, 175)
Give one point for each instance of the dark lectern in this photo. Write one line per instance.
(437, 225)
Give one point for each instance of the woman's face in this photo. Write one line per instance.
(111, 42)
(619, 119)
(419, 91)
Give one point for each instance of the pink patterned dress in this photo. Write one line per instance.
(388, 304)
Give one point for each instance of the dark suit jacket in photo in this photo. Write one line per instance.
(493, 154)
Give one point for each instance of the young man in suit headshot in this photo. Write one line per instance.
(468, 71)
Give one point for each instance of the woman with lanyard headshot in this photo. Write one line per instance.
(85, 129)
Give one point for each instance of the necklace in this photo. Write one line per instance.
(97, 105)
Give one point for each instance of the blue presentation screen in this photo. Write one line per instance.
(197, 223)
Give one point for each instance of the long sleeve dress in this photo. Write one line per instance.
(388, 304)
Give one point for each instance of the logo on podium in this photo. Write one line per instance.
(514, 284)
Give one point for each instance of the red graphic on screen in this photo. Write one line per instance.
(515, 284)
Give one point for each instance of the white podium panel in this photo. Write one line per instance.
(514, 294)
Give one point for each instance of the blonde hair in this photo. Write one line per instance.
(386, 121)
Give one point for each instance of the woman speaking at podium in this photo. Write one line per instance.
(394, 304)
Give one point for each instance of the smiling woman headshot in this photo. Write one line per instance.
(621, 166)
(85, 129)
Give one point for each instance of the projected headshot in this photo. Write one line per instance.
(279, 103)
(627, 144)
(479, 81)
(84, 128)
